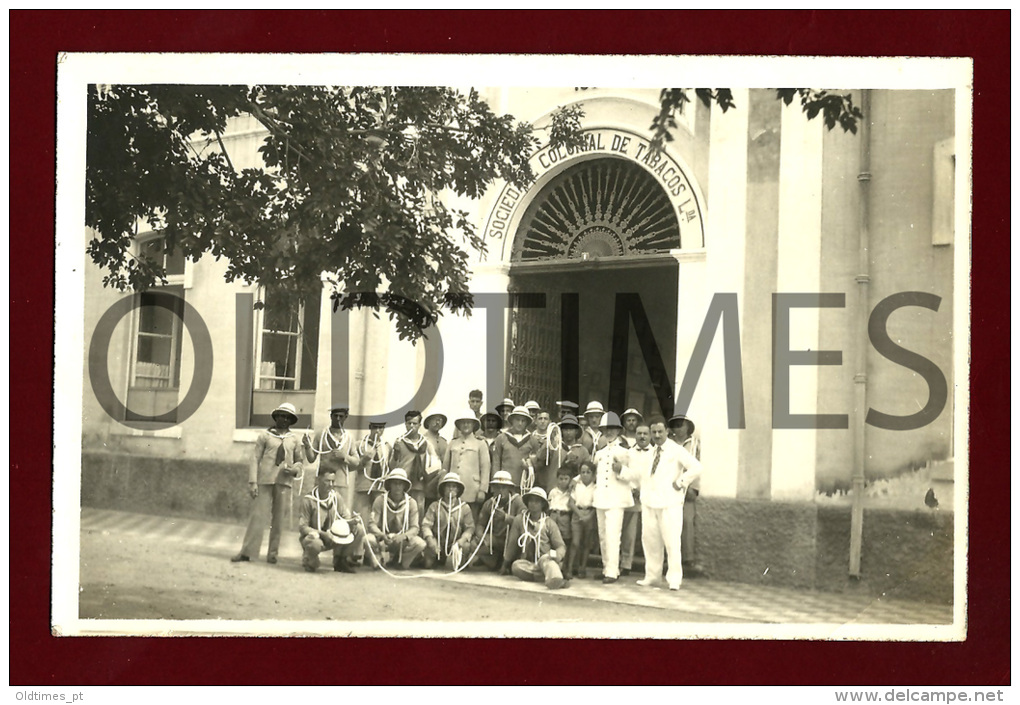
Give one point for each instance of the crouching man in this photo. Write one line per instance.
(448, 526)
(534, 548)
(325, 525)
(393, 527)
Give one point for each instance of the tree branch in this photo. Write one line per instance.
(223, 148)
(274, 127)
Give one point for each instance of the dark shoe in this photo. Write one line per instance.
(345, 567)
(271, 559)
(694, 571)
(608, 581)
(625, 571)
(310, 569)
(240, 558)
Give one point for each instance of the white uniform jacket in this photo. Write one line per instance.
(611, 490)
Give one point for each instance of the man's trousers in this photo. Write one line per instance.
(270, 507)
(406, 551)
(610, 531)
(628, 539)
(313, 544)
(660, 530)
(547, 571)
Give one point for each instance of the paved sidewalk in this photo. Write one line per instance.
(736, 601)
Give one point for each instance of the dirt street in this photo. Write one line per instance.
(128, 576)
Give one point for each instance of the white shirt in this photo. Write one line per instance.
(676, 465)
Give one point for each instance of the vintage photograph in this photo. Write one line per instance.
(420, 346)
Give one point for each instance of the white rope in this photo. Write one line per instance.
(329, 503)
(549, 441)
(522, 541)
(406, 506)
(324, 440)
(462, 566)
(383, 463)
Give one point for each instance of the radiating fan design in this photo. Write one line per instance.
(599, 208)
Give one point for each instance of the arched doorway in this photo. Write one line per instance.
(594, 289)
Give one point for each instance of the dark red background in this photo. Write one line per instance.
(36, 658)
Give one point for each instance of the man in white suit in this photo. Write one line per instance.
(663, 472)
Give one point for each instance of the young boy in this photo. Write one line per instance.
(559, 507)
(515, 450)
(494, 520)
(468, 456)
(393, 526)
(533, 408)
(534, 547)
(336, 450)
(550, 452)
(271, 474)
(326, 524)
(412, 453)
(433, 423)
(582, 518)
(504, 408)
(372, 469)
(475, 402)
(492, 424)
(574, 450)
(448, 526)
(592, 435)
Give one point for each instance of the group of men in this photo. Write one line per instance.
(503, 492)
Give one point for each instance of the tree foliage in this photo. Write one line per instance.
(835, 108)
(348, 184)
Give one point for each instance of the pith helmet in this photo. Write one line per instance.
(451, 478)
(397, 475)
(287, 409)
(675, 421)
(520, 411)
(569, 421)
(502, 477)
(610, 420)
(433, 415)
(540, 493)
(469, 416)
(340, 531)
(492, 415)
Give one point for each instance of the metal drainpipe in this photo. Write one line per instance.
(863, 278)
